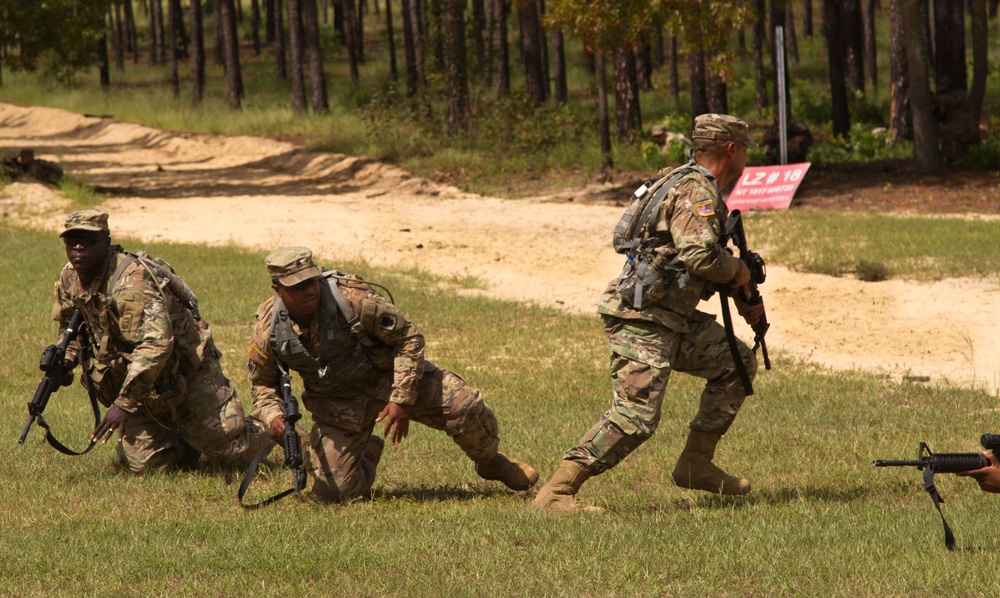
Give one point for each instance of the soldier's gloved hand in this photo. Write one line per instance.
(114, 419)
(67, 378)
(397, 421)
(742, 276)
(751, 313)
(277, 430)
(988, 477)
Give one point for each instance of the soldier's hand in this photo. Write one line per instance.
(277, 430)
(988, 477)
(742, 276)
(114, 419)
(67, 378)
(397, 422)
(751, 313)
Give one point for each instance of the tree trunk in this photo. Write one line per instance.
(870, 49)
(674, 70)
(980, 56)
(279, 39)
(715, 87)
(255, 26)
(699, 95)
(531, 44)
(120, 39)
(456, 73)
(155, 31)
(133, 34)
(833, 19)
(296, 56)
(197, 53)
(317, 74)
(900, 121)
(627, 95)
(270, 28)
(359, 36)
(778, 20)
(791, 39)
(220, 36)
(478, 29)
(926, 153)
(759, 41)
(558, 55)
(852, 32)
(175, 78)
(502, 49)
(351, 38)
(234, 78)
(409, 51)
(949, 43)
(182, 37)
(603, 122)
(807, 18)
(417, 25)
(391, 35)
(102, 58)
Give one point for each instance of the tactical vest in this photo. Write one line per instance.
(653, 273)
(340, 355)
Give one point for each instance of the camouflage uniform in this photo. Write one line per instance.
(669, 335)
(156, 360)
(358, 368)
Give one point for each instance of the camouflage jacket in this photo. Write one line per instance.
(143, 337)
(386, 364)
(691, 222)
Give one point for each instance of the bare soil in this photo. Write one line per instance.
(551, 250)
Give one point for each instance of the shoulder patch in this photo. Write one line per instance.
(704, 209)
(256, 355)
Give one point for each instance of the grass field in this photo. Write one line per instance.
(819, 522)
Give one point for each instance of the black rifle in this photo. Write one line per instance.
(53, 363)
(758, 273)
(293, 448)
(931, 463)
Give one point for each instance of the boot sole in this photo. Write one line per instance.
(682, 483)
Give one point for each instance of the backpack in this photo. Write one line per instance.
(642, 280)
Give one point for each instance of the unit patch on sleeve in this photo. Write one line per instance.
(256, 355)
(704, 209)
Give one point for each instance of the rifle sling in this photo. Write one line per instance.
(727, 320)
(949, 537)
(249, 476)
(51, 439)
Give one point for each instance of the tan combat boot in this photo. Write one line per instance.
(511, 472)
(695, 469)
(558, 495)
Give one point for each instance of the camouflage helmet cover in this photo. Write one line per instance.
(722, 127)
(291, 265)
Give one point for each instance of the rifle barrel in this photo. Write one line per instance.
(897, 463)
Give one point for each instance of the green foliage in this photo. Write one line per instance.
(864, 144)
(59, 35)
(986, 155)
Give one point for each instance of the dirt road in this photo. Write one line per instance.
(549, 251)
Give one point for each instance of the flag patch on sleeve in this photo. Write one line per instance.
(704, 209)
(256, 354)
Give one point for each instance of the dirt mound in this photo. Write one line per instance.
(549, 251)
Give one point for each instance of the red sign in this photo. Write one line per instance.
(767, 187)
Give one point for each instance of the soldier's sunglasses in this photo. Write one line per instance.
(85, 240)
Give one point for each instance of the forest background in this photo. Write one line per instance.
(514, 97)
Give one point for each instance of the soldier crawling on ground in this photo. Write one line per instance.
(26, 165)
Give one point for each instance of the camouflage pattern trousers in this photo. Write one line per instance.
(342, 462)
(643, 355)
(202, 414)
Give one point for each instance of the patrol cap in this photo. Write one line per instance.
(722, 127)
(292, 265)
(86, 221)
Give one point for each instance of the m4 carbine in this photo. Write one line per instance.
(53, 363)
(931, 463)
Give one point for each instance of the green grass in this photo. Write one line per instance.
(877, 246)
(820, 521)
